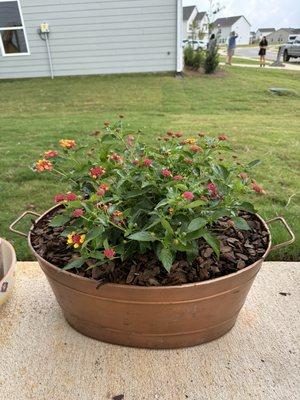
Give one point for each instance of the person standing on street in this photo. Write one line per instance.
(263, 44)
(231, 45)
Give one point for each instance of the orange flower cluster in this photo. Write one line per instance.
(258, 188)
(190, 140)
(43, 165)
(67, 143)
(117, 217)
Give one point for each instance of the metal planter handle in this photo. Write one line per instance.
(12, 226)
(288, 242)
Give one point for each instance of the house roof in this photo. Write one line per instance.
(227, 22)
(187, 12)
(266, 29)
(291, 30)
(200, 16)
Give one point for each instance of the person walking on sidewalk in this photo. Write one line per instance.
(263, 44)
(231, 45)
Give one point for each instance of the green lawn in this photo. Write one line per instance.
(35, 114)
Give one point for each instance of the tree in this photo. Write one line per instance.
(213, 11)
(194, 27)
(211, 61)
(201, 34)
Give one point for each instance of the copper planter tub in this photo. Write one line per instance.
(152, 317)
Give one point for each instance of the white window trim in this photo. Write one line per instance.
(13, 29)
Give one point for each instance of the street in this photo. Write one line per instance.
(253, 52)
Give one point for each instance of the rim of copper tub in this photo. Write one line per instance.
(122, 286)
(14, 258)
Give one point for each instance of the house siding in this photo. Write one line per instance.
(281, 36)
(97, 37)
(241, 27)
(186, 25)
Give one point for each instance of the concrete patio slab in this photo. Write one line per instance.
(43, 358)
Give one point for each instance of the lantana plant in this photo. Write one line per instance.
(127, 198)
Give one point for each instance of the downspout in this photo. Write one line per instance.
(44, 33)
(179, 51)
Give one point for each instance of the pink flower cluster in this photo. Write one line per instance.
(213, 190)
(65, 197)
(166, 172)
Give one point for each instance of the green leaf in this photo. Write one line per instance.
(181, 186)
(195, 204)
(221, 171)
(167, 226)
(192, 250)
(166, 257)
(142, 236)
(98, 255)
(59, 220)
(213, 242)
(222, 212)
(253, 163)
(162, 203)
(74, 204)
(241, 224)
(179, 246)
(75, 264)
(196, 224)
(108, 138)
(155, 222)
(247, 207)
(93, 233)
(144, 246)
(196, 234)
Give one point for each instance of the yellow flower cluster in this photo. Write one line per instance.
(75, 240)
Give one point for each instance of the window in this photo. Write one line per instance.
(13, 40)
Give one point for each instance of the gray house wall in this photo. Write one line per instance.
(97, 37)
(280, 36)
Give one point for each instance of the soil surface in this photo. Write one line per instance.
(239, 249)
(219, 73)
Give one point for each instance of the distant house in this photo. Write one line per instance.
(89, 37)
(239, 24)
(188, 16)
(202, 25)
(263, 32)
(282, 35)
(252, 37)
(195, 25)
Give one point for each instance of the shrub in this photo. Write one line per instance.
(198, 59)
(188, 56)
(128, 198)
(211, 60)
(193, 58)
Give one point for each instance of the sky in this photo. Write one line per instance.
(260, 14)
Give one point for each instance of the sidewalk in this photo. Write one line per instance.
(43, 358)
(287, 67)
